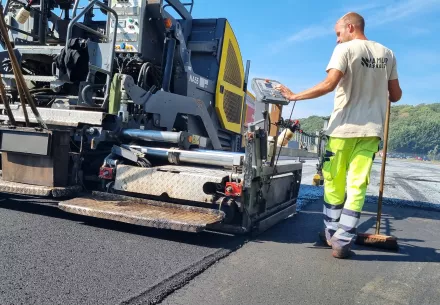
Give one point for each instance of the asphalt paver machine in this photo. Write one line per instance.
(139, 117)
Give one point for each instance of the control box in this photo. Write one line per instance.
(265, 92)
(128, 27)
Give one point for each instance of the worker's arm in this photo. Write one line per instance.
(324, 87)
(394, 90)
(335, 71)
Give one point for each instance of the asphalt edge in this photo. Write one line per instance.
(309, 194)
(402, 203)
(157, 293)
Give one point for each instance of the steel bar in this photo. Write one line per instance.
(153, 135)
(189, 156)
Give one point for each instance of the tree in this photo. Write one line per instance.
(433, 154)
(413, 129)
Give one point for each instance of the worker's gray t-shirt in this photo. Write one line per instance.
(362, 94)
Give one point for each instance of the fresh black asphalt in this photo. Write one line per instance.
(287, 265)
(51, 257)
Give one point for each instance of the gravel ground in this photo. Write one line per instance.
(408, 183)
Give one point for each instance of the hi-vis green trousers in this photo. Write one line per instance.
(346, 172)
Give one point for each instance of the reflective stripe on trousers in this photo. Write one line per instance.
(346, 172)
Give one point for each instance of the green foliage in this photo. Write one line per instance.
(413, 129)
(434, 153)
(312, 124)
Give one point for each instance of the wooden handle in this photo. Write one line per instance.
(382, 171)
(23, 89)
(5, 101)
(277, 129)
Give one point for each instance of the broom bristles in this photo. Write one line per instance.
(377, 241)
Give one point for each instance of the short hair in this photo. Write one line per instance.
(355, 19)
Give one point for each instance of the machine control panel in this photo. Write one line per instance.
(128, 27)
(265, 92)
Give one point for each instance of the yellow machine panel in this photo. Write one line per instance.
(229, 92)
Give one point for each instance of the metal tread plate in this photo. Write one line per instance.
(220, 173)
(177, 182)
(33, 78)
(38, 190)
(144, 212)
(46, 50)
(61, 117)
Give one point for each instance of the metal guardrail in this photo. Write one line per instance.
(306, 141)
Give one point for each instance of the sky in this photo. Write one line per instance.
(292, 40)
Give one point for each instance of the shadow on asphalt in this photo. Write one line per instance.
(47, 207)
(303, 228)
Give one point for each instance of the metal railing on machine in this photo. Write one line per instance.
(111, 41)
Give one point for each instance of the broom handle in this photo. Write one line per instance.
(22, 88)
(382, 171)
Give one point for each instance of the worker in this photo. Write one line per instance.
(364, 74)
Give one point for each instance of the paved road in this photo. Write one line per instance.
(49, 257)
(414, 181)
(286, 265)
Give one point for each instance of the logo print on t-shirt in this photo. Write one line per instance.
(375, 63)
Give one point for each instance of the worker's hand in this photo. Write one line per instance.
(286, 92)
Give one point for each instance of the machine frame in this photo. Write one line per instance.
(153, 126)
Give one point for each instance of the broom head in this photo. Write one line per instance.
(377, 241)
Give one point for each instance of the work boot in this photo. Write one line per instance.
(341, 253)
(323, 238)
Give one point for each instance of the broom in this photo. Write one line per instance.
(378, 240)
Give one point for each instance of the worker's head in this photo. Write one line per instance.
(349, 27)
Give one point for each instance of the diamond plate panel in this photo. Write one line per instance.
(196, 170)
(37, 190)
(33, 78)
(176, 182)
(60, 117)
(149, 213)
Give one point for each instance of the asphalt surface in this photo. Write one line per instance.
(51, 257)
(409, 182)
(288, 265)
